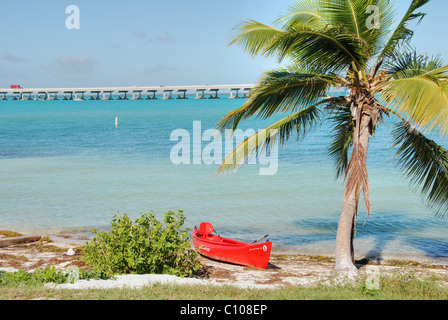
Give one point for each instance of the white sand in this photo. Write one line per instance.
(142, 280)
(129, 281)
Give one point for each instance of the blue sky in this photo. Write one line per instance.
(170, 42)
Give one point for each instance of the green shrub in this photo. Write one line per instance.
(148, 246)
(45, 275)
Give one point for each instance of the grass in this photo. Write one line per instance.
(401, 286)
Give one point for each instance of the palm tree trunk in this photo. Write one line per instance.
(345, 235)
(347, 220)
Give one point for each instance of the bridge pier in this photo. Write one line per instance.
(43, 95)
(151, 94)
(17, 95)
(125, 97)
(79, 92)
(54, 97)
(201, 95)
(92, 95)
(139, 94)
(107, 97)
(68, 95)
(181, 94)
(26, 95)
(165, 96)
(214, 94)
(236, 93)
(246, 92)
(4, 96)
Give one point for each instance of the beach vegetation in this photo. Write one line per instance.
(41, 276)
(350, 63)
(9, 234)
(146, 246)
(43, 246)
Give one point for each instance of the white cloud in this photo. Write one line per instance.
(139, 34)
(76, 65)
(6, 56)
(164, 37)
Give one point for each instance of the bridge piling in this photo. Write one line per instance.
(201, 95)
(105, 97)
(125, 97)
(236, 93)
(95, 95)
(165, 96)
(181, 94)
(137, 94)
(76, 95)
(151, 94)
(214, 94)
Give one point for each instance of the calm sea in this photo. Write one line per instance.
(65, 167)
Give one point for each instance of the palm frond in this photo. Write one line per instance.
(402, 33)
(356, 175)
(409, 64)
(304, 12)
(255, 37)
(425, 163)
(342, 136)
(357, 178)
(421, 96)
(315, 45)
(359, 18)
(329, 49)
(299, 122)
(281, 90)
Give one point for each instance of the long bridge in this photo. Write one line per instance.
(124, 93)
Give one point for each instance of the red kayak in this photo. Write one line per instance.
(252, 254)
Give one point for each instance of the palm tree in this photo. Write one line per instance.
(356, 46)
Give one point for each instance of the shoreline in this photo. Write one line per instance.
(283, 269)
(77, 239)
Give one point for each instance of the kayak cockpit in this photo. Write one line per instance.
(212, 238)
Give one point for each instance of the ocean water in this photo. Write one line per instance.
(65, 167)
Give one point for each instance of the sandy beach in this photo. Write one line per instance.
(64, 253)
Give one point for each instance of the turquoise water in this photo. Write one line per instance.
(65, 167)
